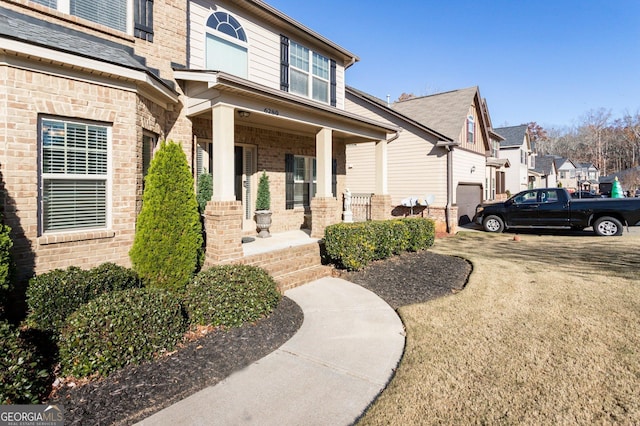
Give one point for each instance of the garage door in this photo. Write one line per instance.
(467, 198)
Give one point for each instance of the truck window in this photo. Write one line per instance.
(528, 198)
(550, 196)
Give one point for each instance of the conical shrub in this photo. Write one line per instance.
(168, 235)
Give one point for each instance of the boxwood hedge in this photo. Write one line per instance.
(120, 328)
(354, 245)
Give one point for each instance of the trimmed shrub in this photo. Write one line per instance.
(230, 295)
(118, 329)
(168, 239)
(422, 233)
(353, 246)
(205, 191)
(22, 378)
(350, 245)
(53, 296)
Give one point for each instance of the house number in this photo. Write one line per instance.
(272, 111)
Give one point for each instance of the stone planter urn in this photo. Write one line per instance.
(263, 223)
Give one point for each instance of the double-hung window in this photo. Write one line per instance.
(309, 73)
(74, 167)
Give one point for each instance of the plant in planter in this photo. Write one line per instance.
(263, 206)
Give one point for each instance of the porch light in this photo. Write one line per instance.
(243, 113)
(473, 169)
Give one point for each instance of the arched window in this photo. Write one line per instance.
(226, 45)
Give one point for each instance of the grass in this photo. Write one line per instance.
(546, 332)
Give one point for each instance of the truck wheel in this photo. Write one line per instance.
(493, 224)
(607, 226)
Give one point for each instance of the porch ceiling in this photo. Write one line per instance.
(273, 108)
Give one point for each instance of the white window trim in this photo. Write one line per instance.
(308, 178)
(107, 177)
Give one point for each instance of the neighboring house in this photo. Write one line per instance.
(441, 152)
(546, 172)
(587, 176)
(629, 180)
(495, 179)
(566, 173)
(241, 86)
(516, 147)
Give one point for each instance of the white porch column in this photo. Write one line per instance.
(323, 163)
(223, 137)
(381, 168)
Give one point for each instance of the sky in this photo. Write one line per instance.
(548, 61)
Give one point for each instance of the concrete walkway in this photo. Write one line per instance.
(327, 374)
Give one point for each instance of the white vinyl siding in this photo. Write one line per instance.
(74, 171)
(49, 3)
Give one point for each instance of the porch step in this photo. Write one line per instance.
(292, 266)
(303, 276)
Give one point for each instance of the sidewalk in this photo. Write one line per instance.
(327, 374)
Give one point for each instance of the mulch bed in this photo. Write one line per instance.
(136, 392)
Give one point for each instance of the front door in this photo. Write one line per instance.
(245, 182)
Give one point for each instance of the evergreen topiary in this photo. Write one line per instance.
(168, 238)
(205, 190)
(263, 198)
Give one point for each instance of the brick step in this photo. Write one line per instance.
(302, 276)
(288, 260)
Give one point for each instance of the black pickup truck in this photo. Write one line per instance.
(554, 208)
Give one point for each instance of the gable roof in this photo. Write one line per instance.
(560, 161)
(379, 103)
(545, 164)
(513, 135)
(444, 112)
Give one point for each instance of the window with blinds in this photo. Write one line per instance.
(111, 13)
(74, 170)
(49, 3)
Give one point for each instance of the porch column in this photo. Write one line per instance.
(223, 214)
(381, 200)
(324, 142)
(223, 136)
(325, 208)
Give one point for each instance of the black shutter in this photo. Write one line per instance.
(143, 19)
(288, 172)
(334, 177)
(334, 91)
(284, 63)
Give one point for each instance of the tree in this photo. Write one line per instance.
(263, 198)
(405, 97)
(168, 235)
